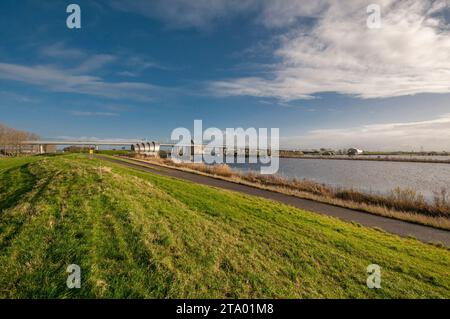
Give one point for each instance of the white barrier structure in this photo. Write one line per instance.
(146, 148)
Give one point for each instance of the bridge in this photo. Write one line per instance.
(89, 143)
(142, 146)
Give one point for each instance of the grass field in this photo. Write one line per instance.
(141, 235)
(403, 204)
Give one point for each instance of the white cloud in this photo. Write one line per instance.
(138, 65)
(94, 62)
(78, 73)
(89, 62)
(410, 54)
(203, 14)
(128, 74)
(97, 139)
(331, 51)
(282, 13)
(60, 50)
(61, 80)
(186, 13)
(87, 113)
(430, 134)
(6, 95)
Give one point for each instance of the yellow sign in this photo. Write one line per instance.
(91, 152)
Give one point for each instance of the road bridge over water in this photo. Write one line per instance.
(146, 147)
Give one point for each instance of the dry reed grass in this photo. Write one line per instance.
(405, 204)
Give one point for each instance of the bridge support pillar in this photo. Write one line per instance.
(41, 149)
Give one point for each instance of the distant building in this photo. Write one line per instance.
(354, 151)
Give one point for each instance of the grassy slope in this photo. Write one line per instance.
(141, 235)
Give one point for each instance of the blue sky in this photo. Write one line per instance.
(139, 69)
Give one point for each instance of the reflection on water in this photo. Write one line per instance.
(368, 176)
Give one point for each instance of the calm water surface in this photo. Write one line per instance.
(368, 176)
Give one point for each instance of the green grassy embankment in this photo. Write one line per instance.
(141, 235)
(404, 204)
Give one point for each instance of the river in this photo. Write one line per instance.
(379, 177)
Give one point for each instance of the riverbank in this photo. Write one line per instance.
(137, 234)
(367, 158)
(402, 204)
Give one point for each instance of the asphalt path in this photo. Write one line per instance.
(390, 225)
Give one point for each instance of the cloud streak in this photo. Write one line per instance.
(64, 80)
(60, 50)
(178, 14)
(88, 114)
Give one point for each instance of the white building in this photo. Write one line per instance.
(354, 151)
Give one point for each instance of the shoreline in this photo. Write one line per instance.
(376, 159)
(313, 191)
(384, 224)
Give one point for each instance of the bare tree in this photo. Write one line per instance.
(11, 140)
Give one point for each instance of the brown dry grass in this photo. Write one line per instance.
(404, 204)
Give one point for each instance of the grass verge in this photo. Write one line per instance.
(141, 235)
(402, 204)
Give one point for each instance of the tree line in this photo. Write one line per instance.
(11, 141)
